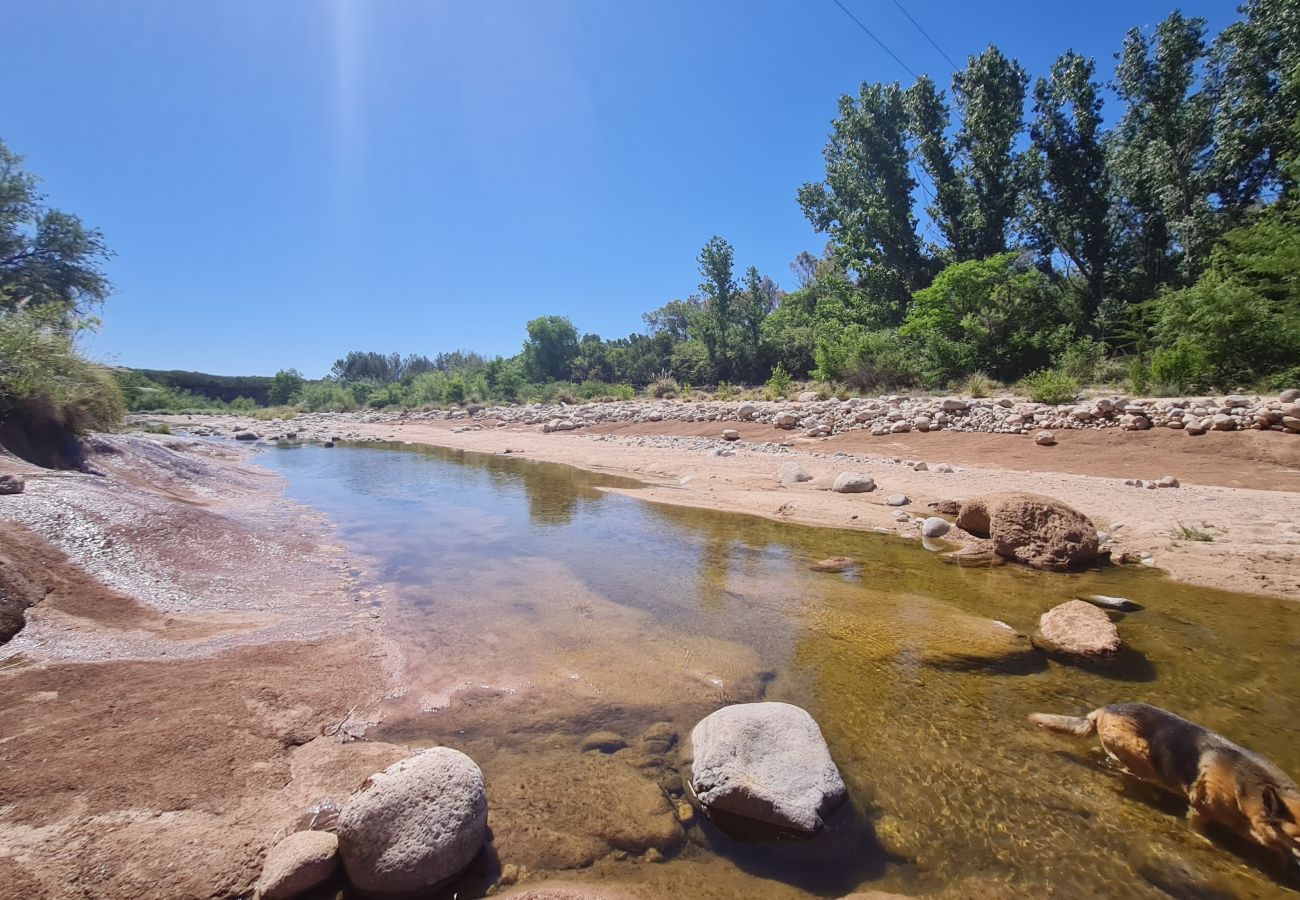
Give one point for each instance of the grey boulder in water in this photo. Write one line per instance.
(766, 762)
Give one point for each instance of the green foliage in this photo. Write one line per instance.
(1050, 386)
(780, 382)
(47, 257)
(1179, 368)
(286, 387)
(551, 348)
(1138, 378)
(868, 360)
(1082, 359)
(999, 315)
(40, 366)
(328, 396)
(865, 201)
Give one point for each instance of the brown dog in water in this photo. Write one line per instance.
(1224, 783)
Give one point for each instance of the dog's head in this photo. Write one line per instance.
(1275, 819)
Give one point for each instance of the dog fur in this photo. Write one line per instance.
(1224, 783)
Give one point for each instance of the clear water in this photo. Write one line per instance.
(535, 607)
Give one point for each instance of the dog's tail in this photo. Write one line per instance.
(1075, 727)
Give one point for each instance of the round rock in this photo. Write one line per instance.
(934, 527)
(302, 861)
(898, 500)
(415, 825)
(853, 483)
(767, 762)
(730, 434)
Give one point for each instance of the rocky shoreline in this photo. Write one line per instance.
(813, 417)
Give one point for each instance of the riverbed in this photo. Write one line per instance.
(538, 605)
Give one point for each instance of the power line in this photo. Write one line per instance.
(871, 35)
(901, 9)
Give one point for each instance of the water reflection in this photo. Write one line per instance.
(535, 607)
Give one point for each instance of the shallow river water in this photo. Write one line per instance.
(535, 607)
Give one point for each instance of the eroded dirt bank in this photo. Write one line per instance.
(165, 701)
(1241, 488)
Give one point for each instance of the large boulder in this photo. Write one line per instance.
(12, 484)
(415, 825)
(767, 762)
(853, 483)
(1032, 529)
(1077, 628)
(302, 861)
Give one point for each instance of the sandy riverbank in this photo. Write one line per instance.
(1241, 487)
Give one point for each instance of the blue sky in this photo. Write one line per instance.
(287, 180)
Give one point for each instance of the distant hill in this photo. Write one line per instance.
(215, 387)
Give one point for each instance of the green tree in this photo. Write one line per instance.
(1157, 156)
(551, 348)
(990, 97)
(1255, 82)
(950, 204)
(865, 201)
(720, 295)
(286, 387)
(757, 301)
(1069, 193)
(47, 257)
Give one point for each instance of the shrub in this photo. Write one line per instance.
(328, 396)
(664, 386)
(1177, 369)
(780, 382)
(978, 384)
(724, 391)
(868, 359)
(40, 365)
(1050, 386)
(1082, 359)
(1139, 376)
(622, 391)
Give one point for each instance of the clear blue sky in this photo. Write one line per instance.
(286, 180)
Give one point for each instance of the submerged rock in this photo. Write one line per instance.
(415, 825)
(302, 861)
(1078, 629)
(604, 741)
(767, 762)
(566, 810)
(834, 564)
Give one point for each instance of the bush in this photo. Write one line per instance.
(328, 396)
(1050, 386)
(978, 384)
(664, 386)
(1082, 359)
(868, 360)
(780, 382)
(1178, 369)
(1139, 376)
(39, 365)
(724, 391)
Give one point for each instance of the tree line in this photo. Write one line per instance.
(1057, 229)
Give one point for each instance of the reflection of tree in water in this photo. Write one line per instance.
(554, 491)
